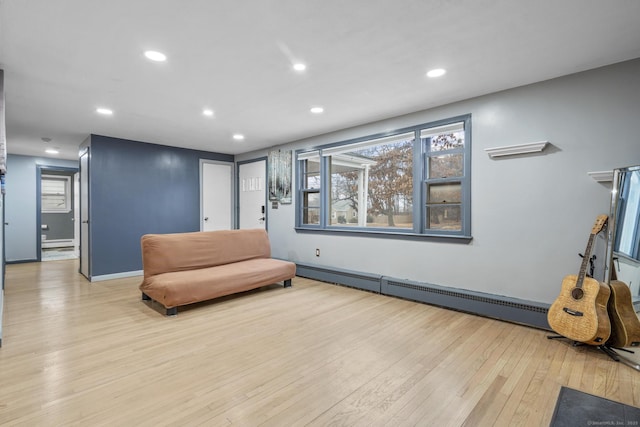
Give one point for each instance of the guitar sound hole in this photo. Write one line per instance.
(577, 293)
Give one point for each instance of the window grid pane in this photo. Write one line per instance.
(311, 173)
(444, 217)
(446, 141)
(311, 216)
(373, 186)
(445, 192)
(446, 166)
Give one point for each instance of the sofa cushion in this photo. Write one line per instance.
(164, 253)
(185, 287)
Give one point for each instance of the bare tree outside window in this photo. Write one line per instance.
(381, 176)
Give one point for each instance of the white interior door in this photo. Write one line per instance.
(216, 196)
(253, 194)
(84, 215)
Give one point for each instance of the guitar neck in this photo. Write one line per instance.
(585, 261)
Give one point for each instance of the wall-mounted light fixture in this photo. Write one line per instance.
(511, 150)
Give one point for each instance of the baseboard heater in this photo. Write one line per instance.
(354, 279)
(514, 310)
(57, 243)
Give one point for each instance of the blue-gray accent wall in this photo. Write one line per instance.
(138, 188)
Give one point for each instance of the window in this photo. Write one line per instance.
(55, 194)
(310, 187)
(372, 182)
(411, 181)
(444, 161)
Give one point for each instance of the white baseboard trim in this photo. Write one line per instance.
(122, 275)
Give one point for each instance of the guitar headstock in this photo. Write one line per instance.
(601, 220)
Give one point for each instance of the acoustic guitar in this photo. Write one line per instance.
(625, 326)
(580, 311)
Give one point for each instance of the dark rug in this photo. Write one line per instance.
(575, 408)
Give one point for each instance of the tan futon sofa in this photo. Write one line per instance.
(184, 268)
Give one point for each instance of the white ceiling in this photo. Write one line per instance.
(366, 61)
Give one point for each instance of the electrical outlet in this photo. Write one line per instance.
(317, 252)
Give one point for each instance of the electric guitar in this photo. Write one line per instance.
(625, 326)
(580, 311)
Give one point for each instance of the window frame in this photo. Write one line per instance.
(303, 190)
(420, 178)
(624, 194)
(67, 193)
(464, 179)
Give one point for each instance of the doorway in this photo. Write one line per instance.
(57, 213)
(252, 194)
(84, 214)
(216, 195)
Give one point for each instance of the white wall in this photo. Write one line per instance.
(531, 215)
(21, 214)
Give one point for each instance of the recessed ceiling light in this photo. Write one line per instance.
(437, 72)
(207, 112)
(51, 151)
(299, 66)
(238, 137)
(155, 56)
(317, 110)
(104, 111)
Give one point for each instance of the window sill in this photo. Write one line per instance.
(406, 235)
(626, 257)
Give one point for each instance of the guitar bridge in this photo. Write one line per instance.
(573, 312)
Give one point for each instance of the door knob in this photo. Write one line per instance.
(261, 219)
(206, 218)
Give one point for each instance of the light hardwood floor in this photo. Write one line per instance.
(79, 353)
